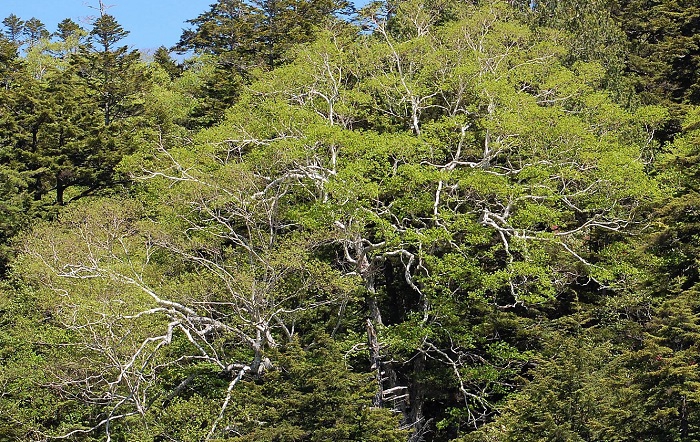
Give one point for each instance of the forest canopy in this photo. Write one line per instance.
(419, 220)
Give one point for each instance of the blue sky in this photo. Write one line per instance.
(151, 23)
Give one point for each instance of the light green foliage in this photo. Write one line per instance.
(480, 178)
(429, 228)
(15, 203)
(31, 364)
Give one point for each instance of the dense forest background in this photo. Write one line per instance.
(423, 220)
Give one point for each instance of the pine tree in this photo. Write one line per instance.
(258, 32)
(590, 33)
(9, 63)
(72, 153)
(666, 372)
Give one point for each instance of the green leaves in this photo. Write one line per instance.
(425, 218)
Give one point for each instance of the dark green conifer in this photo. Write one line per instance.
(67, 28)
(14, 26)
(664, 57)
(111, 73)
(34, 30)
(163, 58)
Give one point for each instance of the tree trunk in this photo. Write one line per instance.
(376, 364)
(684, 419)
(60, 189)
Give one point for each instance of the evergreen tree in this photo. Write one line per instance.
(245, 36)
(67, 29)
(14, 27)
(665, 370)
(257, 33)
(73, 153)
(163, 58)
(9, 63)
(70, 37)
(664, 56)
(677, 243)
(34, 30)
(112, 73)
(13, 186)
(590, 33)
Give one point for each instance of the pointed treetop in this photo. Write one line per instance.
(163, 58)
(107, 32)
(13, 28)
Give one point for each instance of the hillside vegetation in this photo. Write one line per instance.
(415, 221)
